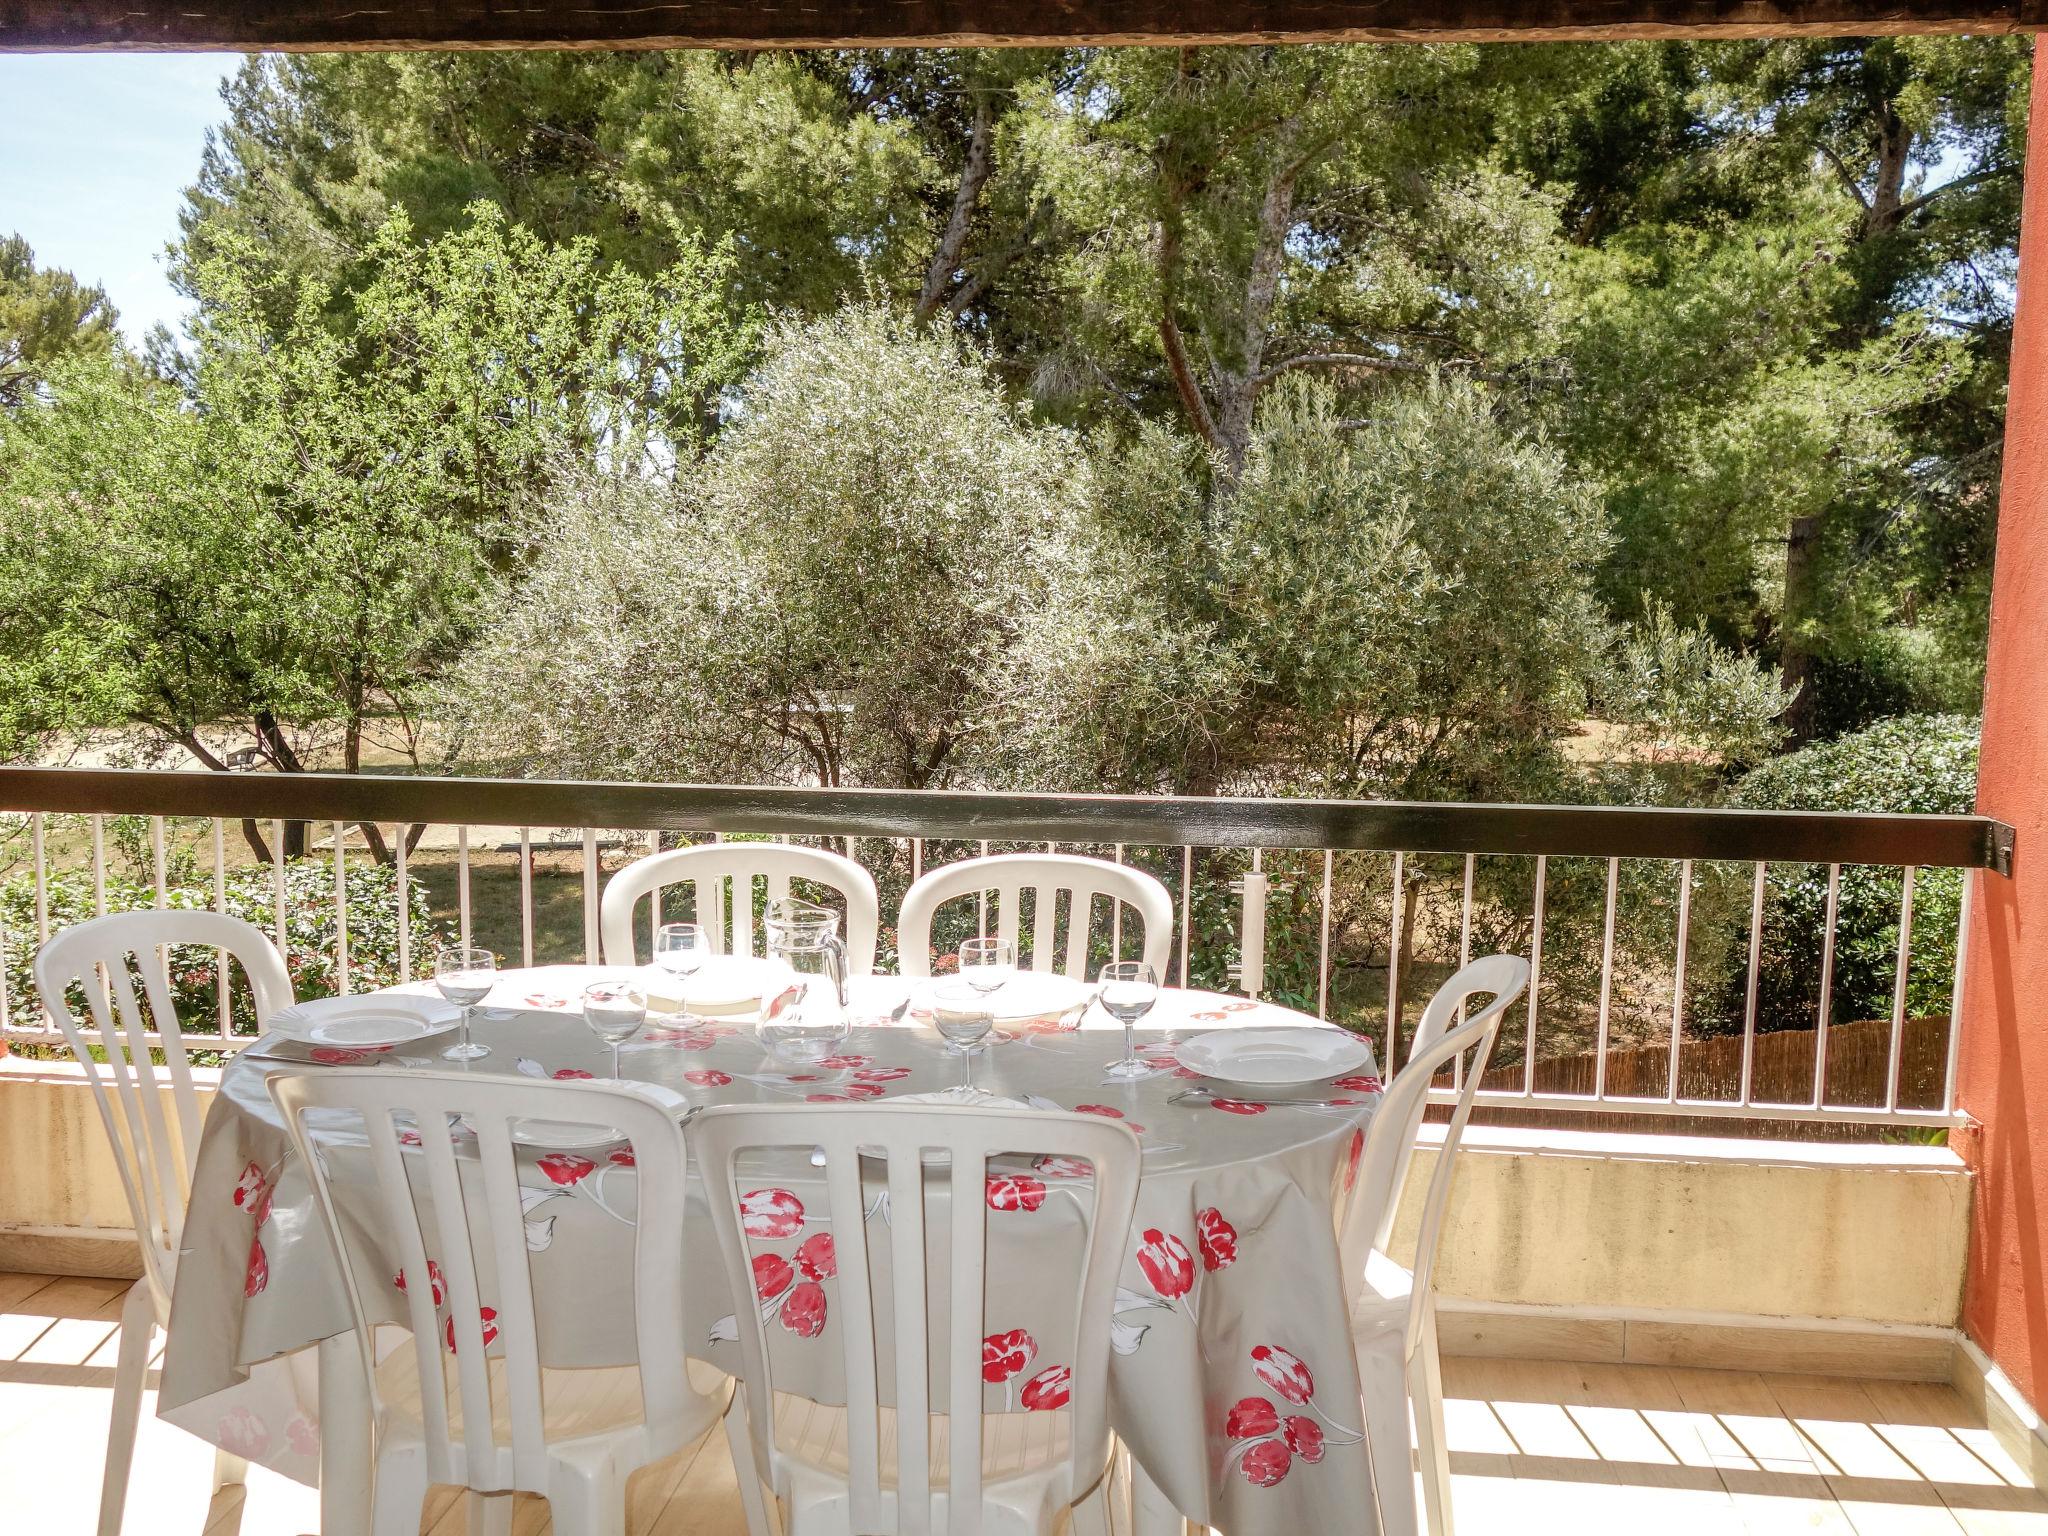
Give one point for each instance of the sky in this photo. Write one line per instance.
(96, 151)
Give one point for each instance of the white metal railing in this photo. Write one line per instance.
(1243, 954)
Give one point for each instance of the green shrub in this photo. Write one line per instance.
(1924, 764)
(309, 931)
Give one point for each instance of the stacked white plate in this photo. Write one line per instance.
(725, 984)
(382, 1019)
(1272, 1057)
(1026, 995)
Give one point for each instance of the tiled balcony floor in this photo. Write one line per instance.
(1536, 1447)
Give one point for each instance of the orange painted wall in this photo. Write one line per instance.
(2003, 1079)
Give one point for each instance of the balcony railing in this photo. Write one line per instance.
(1626, 872)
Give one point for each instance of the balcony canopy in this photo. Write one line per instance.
(347, 24)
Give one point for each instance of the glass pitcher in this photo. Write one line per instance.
(803, 1011)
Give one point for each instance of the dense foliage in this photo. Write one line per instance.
(251, 895)
(45, 315)
(304, 523)
(1924, 764)
(1755, 294)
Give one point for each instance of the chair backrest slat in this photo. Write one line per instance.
(710, 867)
(523, 1389)
(1390, 1142)
(908, 1259)
(969, 1324)
(914, 1144)
(423, 1277)
(1080, 923)
(154, 1152)
(1046, 876)
(465, 1166)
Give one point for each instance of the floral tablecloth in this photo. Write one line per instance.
(1232, 1381)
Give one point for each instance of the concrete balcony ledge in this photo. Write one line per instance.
(61, 1208)
(1682, 1250)
(1701, 1149)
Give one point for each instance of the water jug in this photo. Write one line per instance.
(803, 1011)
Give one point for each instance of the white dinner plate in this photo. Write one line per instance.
(1026, 995)
(1297, 1055)
(564, 1134)
(379, 1019)
(723, 984)
(983, 1100)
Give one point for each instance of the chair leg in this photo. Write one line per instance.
(587, 1502)
(131, 1366)
(228, 1471)
(1426, 1393)
(347, 1461)
(401, 1492)
(738, 1442)
(1383, 1375)
(489, 1514)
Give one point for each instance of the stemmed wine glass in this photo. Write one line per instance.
(988, 965)
(1127, 992)
(614, 1010)
(961, 1015)
(679, 949)
(465, 975)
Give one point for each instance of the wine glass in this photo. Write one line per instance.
(679, 949)
(465, 975)
(1127, 992)
(614, 1010)
(960, 1013)
(988, 965)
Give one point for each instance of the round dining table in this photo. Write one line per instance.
(1233, 1382)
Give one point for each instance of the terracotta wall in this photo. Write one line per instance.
(2004, 1067)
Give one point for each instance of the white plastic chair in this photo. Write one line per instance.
(710, 866)
(502, 1425)
(913, 1464)
(1393, 1314)
(154, 1152)
(1045, 875)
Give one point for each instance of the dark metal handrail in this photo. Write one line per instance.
(1807, 837)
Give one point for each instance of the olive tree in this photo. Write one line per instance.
(834, 594)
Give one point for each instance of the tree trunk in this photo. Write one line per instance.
(352, 761)
(1403, 962)
(1795, 656)
(1887, 198)
(974, 174)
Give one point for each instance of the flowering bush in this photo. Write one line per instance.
(310, 931)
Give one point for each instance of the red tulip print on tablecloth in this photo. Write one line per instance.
(773, 1274)
(1004, 1357)
(1015, 1192)
(486, 1316)
(769, 1215)
(1048, 1390)
(1168, 1266)
(565, 1168)
(787, 1289)
(817, 1258)
(257, 1275)
(435, 1285)
(804, 1313)
(1265, 1443)
(1217, 1239)
(253, 1193)
(1054, 1166)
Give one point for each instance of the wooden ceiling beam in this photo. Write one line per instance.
(314, 25)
